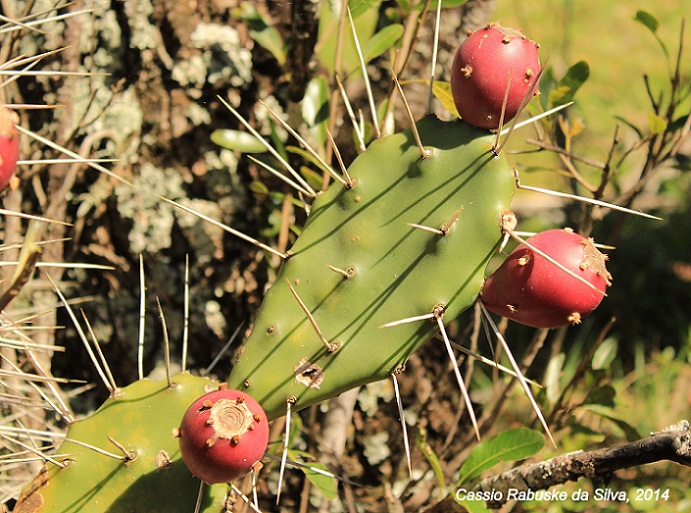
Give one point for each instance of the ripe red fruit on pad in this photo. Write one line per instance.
(530, 289)
(482, 68)
(223, 434)
(9, 145)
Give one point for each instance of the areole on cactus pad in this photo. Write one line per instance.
(364, 260)
(413, 234)
(124, 457)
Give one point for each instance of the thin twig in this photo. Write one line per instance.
(671, 444)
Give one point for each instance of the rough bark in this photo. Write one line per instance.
(672, 444)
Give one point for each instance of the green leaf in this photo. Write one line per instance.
(259, 188)
(264, 32)
(566, 88)
(510, 445)
(325, 484)
(445, 4)
(295, 150)
(365, 18)
(358, 7)
(603, 396)
(313, 178)
(432, 458)
(605, 354)
(552, 375)
(441, 91)
(236, 140)
(609, 413)
(657, 123)
(315, 104)
(386, 117)
(648, 20)
(651, 23)
(633, 127)
(276, 138)
(317, 473)
(383, 40)
(315, 110)
(474, 506)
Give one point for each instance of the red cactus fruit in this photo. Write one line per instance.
(223, 434)
(9, 145)
(530, 289)
(482, 67)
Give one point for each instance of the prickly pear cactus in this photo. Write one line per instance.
(142, 470)
(365, 260)
(411, 237)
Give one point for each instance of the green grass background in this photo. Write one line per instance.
(618, 49)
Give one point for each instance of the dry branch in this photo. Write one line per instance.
(672, 444)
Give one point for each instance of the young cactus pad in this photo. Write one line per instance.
(151, 477)
(359, 265)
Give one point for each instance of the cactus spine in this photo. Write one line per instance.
(365, 259)
(124, 457)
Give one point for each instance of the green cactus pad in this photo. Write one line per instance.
(140, 419)
(358, 265)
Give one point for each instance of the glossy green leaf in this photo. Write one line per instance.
(237, 140)
(365, 18)
(441, 91)
(382, 41)
(358, 7)
(309, 158)
(566, 88)
(315, 110)
(315, 106)
(511, 445)
(317, 473)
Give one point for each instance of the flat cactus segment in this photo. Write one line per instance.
(359, 264)
(141, 419)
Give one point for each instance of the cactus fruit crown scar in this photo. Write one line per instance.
(364, 261)
(95, 475)
(223, 434)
